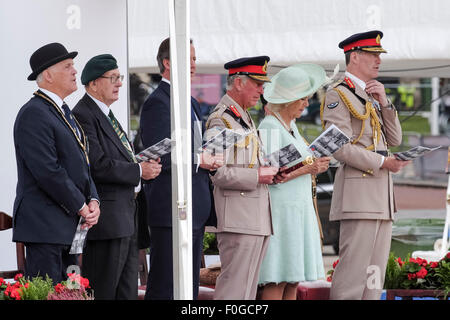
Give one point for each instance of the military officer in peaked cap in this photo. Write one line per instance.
(363, 199)
(240, 187)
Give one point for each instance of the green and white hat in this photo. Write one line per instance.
(295, 82)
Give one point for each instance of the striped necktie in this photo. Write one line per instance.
(121, 134)
(69, 117)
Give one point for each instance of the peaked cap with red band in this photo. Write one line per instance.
(365, 41)
(253, 67)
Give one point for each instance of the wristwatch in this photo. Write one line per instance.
(308, 160)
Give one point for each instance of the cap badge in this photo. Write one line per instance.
(377, 39)
(264, 68)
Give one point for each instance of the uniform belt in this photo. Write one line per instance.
(383, 153)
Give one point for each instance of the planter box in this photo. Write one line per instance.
(406, 294)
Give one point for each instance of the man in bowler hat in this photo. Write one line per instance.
(110, 260)
(54, 188)
(363, 199)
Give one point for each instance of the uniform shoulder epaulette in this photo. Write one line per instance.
(217, 113)
(335, 84)
(219, 110)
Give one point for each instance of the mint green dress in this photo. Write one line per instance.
(294, 253)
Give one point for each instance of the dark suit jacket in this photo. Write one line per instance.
(53, 175)
(113, 170)
(155, 126)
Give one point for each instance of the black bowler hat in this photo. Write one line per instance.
(47, 56)
(253, 67)
(365, 41)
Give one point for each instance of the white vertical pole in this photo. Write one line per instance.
(445, 236)
(434, 115)
(181, 155)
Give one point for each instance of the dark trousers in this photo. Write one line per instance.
(49, 259)
(112, 268)
(160, 276)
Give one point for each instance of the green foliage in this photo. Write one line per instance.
(38, 289)
(393, 273)
(209, 243)
(443, 275)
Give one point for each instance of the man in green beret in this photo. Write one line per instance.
(110, 259)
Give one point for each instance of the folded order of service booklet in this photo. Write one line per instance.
(283, 157)
(414, 153)
(222, 141)
(155, 151)
(328, 142)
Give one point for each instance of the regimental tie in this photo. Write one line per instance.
(69, 117)
(121, 134)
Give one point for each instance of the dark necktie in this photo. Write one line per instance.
(69, 117)
(121, 134)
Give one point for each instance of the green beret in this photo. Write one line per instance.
(97, 66)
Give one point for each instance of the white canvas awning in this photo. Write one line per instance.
(416, 33)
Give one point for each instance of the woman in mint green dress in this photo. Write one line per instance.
(294, 253)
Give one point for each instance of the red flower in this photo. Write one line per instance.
(84, 282)
(411, 276)
(335, 263)
(400, 262)
(422, 273)
(434, 265)
(59, 288)
(16, 295)
(13, 292)
(18, 276)
(2, 281)
(77, 279)
(329, 279)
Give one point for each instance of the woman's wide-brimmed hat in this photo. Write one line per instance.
(47, 56)
(295, 82)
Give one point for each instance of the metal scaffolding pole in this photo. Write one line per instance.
(180, 79)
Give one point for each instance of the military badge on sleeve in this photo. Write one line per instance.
(333, 105)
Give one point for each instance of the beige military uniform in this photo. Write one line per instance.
(242, 206)
(363, 197)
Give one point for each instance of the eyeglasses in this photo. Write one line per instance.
(114, 79)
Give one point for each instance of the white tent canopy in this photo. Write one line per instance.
(416, 33)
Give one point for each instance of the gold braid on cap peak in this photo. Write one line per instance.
(370, 112)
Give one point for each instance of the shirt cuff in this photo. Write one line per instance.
(198, 162)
